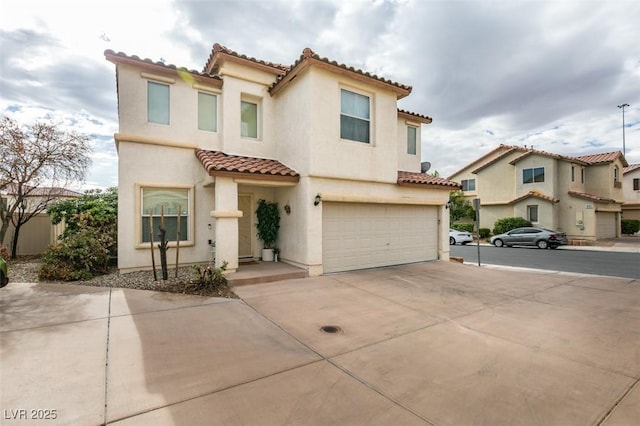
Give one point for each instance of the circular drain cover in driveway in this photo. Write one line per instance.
(331, 329)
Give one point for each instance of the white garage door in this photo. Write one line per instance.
(358, 236)
(605, 225)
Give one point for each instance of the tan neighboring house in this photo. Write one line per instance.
(631, 192)
(38, 233)
(581, 195)
(327, 142)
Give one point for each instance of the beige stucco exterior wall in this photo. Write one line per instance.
(628, 193)
(408, 162)
(599, 180)
(183, 127)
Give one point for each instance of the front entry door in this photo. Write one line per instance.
(245, 235)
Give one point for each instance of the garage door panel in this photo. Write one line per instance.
(358, 236)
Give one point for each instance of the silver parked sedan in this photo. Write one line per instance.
(540, 237)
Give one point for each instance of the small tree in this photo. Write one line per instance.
(39, 162)
(459, 207)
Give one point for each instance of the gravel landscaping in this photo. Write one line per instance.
(25, 270)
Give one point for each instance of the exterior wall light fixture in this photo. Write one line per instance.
(317, 200)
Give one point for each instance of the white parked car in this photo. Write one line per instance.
(459, 237)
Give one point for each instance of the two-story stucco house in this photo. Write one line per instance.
(325, 141)
(631, 192)
(581, 195)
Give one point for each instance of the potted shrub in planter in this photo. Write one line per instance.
(268, 226)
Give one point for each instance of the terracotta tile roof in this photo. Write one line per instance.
(219, 51)
(606, 157)
(415, 116)
(630, 168)
(43, 191)
(309, 57)
(217, 163)
(500, 148)
(535, 194)
(591, 197)
(412, 178)
(121, 57)
(530, 151)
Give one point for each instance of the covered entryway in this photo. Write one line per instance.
(606, 225)
(359, 235)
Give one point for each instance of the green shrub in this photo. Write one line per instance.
(506, 224)
(484, 232)
(462, 226)
(630, 226)
(79, 256)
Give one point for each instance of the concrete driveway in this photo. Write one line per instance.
(428, 344)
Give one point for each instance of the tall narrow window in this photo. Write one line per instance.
(249, 119)
(207, 112)
(355, 116)
(532, 214)
(582, 175)
(157, 103)
(167, 202)
(616, 172)
(573, 173)
(412, 139)
(636, 184)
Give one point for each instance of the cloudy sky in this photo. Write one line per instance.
(547, 74)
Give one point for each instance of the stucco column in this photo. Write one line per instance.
(443, 233)
(226, 216)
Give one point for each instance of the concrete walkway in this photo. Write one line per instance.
(427, 344)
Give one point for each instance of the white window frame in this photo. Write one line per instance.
(412, 140)
(533, 175)
(368, 119)
(465, 185)
(258, 103)
(155, 118)
(533, 208)
(142, 217)
(212, 115)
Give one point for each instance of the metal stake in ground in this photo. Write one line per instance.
(153, 258)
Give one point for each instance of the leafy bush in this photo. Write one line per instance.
(461, 226)
(630, 226)
(89, 239)
(484, 232)
(80, 256)
(208, 277)
(506, 224)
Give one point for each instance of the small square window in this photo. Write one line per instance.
(533, 175)
(468, 184)
(157, 103)
(412, 139)
(249, 119)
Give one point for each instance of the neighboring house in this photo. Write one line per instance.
(631, 192)
(325, 141)
(581, 196)
(38, 233)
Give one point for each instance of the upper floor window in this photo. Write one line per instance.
(157, 102)
(468, 184)
(207, 112)
(616, 173)
(355, 117)
(168, 205)
(582, 175)
(412, 140)
(573, 173)
(249, 119)
(636, 184)
(533, 175)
